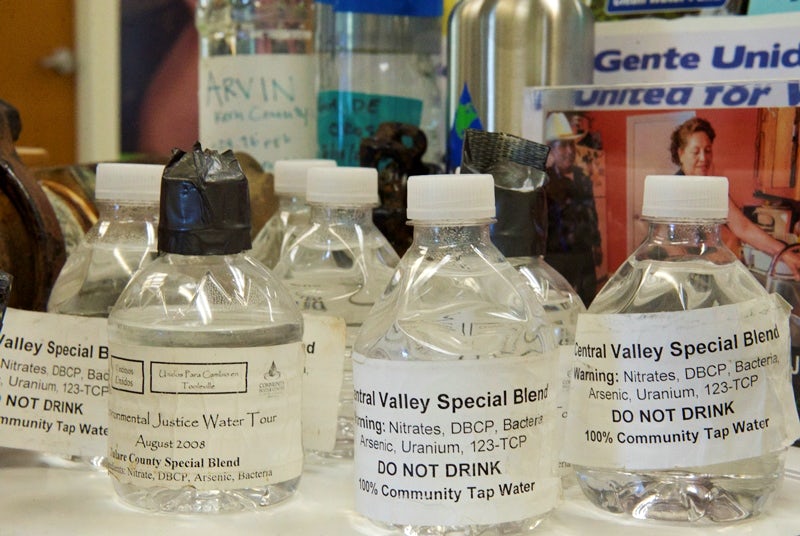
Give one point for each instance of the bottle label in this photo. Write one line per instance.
(324, 341)
(564, 369)
(455, 442)
(681, 389)
(346, 117)
(210, 418)
(54, 383)
(262, 104)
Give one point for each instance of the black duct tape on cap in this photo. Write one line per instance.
(205, 204)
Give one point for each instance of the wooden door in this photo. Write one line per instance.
(648, 154)
(777, 152)
(32, 31)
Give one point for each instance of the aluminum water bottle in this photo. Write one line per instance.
(206, 358)
(680, 405)
(121, 241)
(497, 48)
(256, 77)
(293, 212)
(336, 268)
(455, 379)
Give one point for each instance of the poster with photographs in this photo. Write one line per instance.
(747, 132)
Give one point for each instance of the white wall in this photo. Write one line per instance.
(97, 43)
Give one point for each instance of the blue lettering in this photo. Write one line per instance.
(670, 60)
(755, 59)
(277, 90)
(679, 96)
(718, 58)
(735, 95)
(675, 96)
(791, 58)
(690, 60)
(654, 96)
(607, 61)
(793, 89)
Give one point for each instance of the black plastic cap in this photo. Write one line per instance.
(205, 204)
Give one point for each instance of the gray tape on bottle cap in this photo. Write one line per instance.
(517, 166)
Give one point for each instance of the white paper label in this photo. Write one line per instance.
(324, 341)
(211, 418)
(262, 104)
(690, 49)
(564, 371)
(681, 389)
(456, 442)
(53, 383)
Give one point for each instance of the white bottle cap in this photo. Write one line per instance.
(128, 182)
(343, 186)
(290, 175)
(450, 197)
(685, 197)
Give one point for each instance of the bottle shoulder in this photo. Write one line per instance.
(453, 308)
(198, 288)
(652, 285)
(321, 242)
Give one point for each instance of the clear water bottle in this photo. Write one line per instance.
(520, 233)
(380, 66)
(293, 212)
(680, 403)
(206, 366)
(336, 267)
(121, 241)
(455, 379)
(256, 77)
(520, 230)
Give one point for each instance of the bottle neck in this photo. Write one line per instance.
(669, 240)
(355, 215)
(292, 202)
(435, 234)
(113, 210)
(185, 259)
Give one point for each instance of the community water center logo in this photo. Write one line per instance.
(273, 385)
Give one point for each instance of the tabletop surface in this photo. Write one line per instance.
(56, 501)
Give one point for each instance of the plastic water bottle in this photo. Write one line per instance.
(379, 66)
(336, 268)
(681, 406)
(520, 233)
(455, 379)
(293, 212)
(206, 358)
(256, 77)
(121, 241)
